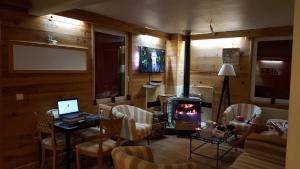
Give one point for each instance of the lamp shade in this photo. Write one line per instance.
(227, 70)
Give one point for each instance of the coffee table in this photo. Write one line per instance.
(208, 138)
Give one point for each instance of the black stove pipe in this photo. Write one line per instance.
(187, 64)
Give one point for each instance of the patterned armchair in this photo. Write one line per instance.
(137, 123)
(251, 114)
(141, 157)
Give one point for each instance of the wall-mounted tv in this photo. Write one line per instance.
(152, 60)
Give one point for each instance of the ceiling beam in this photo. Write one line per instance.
(263, 32)
(44, 7)
(107, 22)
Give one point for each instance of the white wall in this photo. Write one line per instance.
(293, 146)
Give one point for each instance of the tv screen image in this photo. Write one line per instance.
(152, 60)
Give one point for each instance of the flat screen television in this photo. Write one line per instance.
(152, 60)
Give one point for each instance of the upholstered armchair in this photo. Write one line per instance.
(250, 114)
(137, 123)
(141, 157)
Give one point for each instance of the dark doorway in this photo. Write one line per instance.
(273, 69)
(109, 65)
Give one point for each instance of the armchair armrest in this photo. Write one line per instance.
(128, 128)
(143, 116)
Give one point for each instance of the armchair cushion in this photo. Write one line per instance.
(92, 147)
(142, 129)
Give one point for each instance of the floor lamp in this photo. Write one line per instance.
(226, 71)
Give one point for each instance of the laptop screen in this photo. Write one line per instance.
(67, 106)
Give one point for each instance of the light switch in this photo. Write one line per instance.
(20, 96)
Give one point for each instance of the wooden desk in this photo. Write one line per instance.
(91, 120)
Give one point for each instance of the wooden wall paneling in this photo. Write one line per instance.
(20, 148)
(1, 109)
(138, 79)
(205, 67)
(180, 65)
(171, 64)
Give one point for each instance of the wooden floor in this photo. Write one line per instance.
(174, 149)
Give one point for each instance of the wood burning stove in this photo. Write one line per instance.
(186, 112)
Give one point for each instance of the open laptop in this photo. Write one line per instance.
(68, 108)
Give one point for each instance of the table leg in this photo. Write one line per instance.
(218, 147)
(68, 152)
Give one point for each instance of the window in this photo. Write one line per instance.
(110, 65)
(271, 70)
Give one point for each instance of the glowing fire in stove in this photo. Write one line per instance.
(186, 109)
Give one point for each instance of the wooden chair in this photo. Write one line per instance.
(102, 147)
(49, 139)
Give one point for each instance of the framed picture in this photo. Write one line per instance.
(231, 55)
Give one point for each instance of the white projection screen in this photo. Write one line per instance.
(39, 58)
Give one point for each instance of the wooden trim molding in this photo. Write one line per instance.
(263, 32)
(104, 21)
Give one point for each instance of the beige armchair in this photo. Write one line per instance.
(251, 114)
(137, 123)
(141, 157)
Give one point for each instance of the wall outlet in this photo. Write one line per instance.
(20, 96)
